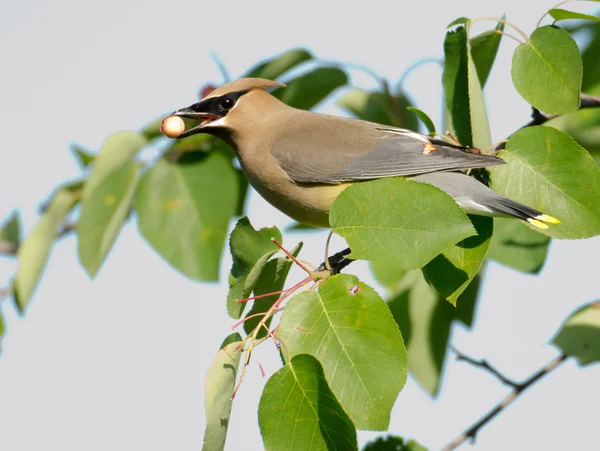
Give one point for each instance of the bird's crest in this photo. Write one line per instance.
(244, 84)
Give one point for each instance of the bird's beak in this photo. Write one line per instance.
(195, 112)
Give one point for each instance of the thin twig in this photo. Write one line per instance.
(221, 67)
(484, 365)
(471, 432)
(539, 118)
(416, 65)
(66, 229)
(8, 248)
(5, 292)
(291, 257)
(380, 79)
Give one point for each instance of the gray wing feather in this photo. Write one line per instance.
(396, 152)
(474, 197)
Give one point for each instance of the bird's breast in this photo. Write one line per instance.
(308, 204)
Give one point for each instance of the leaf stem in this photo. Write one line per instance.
(290, 256)
(327, 265)
(548, 12)
(505, 22)
(221, 67)
(380, 79)
(246, 319)
(260, 296)
(518, 390)
(417, 64)
(252, 337)
(503, 33)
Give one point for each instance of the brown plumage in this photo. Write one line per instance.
(301, 161)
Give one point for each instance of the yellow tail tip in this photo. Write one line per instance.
(548, 218)
(536, 223)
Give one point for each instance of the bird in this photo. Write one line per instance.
(300, 161)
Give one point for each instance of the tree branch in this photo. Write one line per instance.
(5, 292)
(8, 248)
(539, 118)
(484, 365)
(518, 389)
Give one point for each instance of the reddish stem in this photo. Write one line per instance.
(294, 259)
(247, 318)
(260, 296)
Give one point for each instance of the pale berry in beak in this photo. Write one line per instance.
(172, 126)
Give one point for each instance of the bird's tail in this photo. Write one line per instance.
(476, 198)
(536, 218)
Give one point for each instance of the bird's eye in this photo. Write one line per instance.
(226, 103)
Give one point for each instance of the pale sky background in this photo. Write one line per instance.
(119, 362)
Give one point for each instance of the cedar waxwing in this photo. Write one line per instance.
(300, 161)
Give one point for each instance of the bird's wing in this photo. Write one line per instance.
(358, 150)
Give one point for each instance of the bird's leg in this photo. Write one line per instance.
(332, 265)
(336, 262)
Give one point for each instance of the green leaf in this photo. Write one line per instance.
(250, 250)
(463, 94)
(350, 330)
(464, 311)
(379, 107)
(484, 48)
(299, 227)
(459, 21)
(271, 279)
(118, 149)
(517, 246)
(547, 170)
(10, 233)
(425, 320)
(275, 67)
(563, 14)
(579, 336)
(392, 443)
(388, 276)
(424, 118)
(453, 270)
(103, 214)
(184, 210)
(231, 338)
(218, 390)
(2, 329)
(546, 71)
(583, 126)
(34, 251)
(297, 411)
(399, 222)
(310, 89)
(196, 143)
(83, 156)
(591, 63)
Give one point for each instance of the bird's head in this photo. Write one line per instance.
(226, 107)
